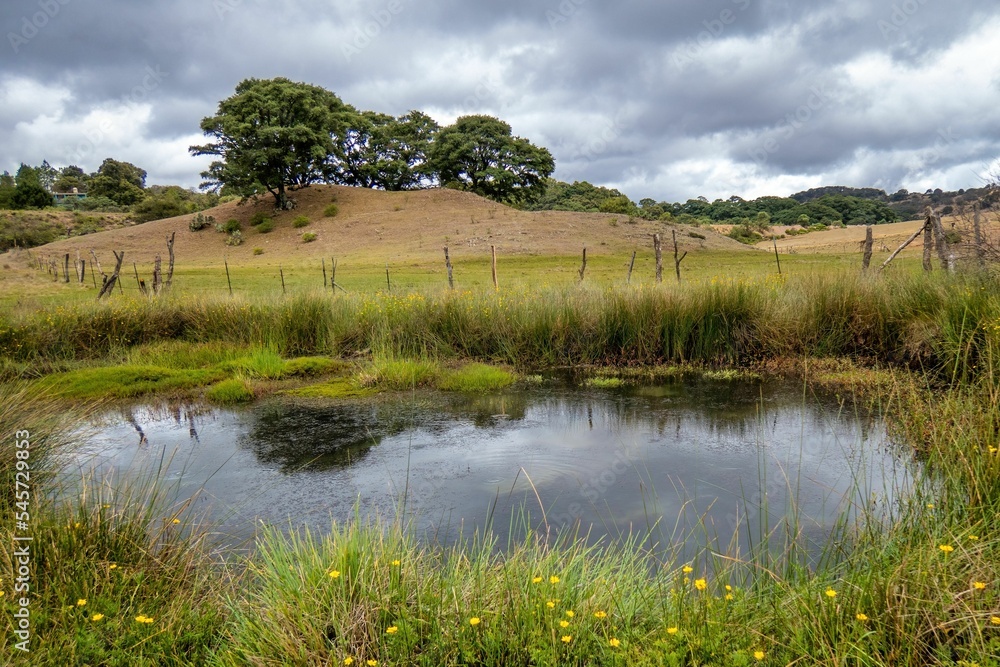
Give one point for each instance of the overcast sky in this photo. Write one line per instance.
(668, 100)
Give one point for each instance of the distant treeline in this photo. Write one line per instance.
(828, 209)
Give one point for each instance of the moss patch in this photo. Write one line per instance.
(230, 392)
(127, 381)
(476, 377)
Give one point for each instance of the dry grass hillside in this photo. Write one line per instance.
(378, 226)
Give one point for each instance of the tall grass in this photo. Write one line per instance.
(938, 321)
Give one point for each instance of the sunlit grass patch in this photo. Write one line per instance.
(230, 392)
(476, 377)
(387, 374)
(336, 388)
(127, 381)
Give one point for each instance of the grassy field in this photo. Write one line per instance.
(118, 580)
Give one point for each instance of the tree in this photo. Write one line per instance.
(479, 154)
(272, 135)
(71, 177)
(7, 189)
(121, 182)
(380, 151)
(28, 190)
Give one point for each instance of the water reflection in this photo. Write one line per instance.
(667, 460)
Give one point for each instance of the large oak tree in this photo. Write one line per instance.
(479, 154)
(272, 135)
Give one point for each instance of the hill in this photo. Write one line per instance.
(376, 226)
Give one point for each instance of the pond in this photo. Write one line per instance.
(674, 462)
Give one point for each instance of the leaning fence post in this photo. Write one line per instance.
(447, 264)
(493, 249)
(659, 258)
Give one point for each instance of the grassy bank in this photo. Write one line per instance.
(922, 320)
(916, 586)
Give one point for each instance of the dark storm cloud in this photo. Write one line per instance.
(668, 100)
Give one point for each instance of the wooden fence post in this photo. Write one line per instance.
(324, 272)
(493, 250)
(281, 273)
(583, 267)
(776, 257)
(447, 264)
(228, 279)
(388, 285)
(677, 261)
(978, 236)
(659, 258)
(631, 265)
(900, 248)
(866, 258)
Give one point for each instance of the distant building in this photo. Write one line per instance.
(75, 195)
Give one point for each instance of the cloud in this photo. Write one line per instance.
(666, 100)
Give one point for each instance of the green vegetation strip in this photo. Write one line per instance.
(121, 575)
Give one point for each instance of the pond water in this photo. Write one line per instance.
(664, 460)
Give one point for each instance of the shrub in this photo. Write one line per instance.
(258, 251)
(266, 227)
(696, 235)
(300, 221)
(258, 218)
(476, 377)
(232, 225)
(308, 237)
(199, 222)
(330, 211)
(236, 238)
(744, 234)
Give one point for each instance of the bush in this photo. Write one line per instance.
(232, 225)
(258, 217)
(199, 222)
(696, 235)
(258, 251)
(744, 234)
(330, 211)
(300, 221)
(266, 227)
(308, 237)
(235, 238)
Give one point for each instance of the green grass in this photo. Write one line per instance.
(127, 382)
(897, 597)
(476, 377)
(230, 392)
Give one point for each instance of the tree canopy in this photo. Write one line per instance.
(121, 182)
(273, 135)
(480, 154)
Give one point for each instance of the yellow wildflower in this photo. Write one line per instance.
(536, 580)
(113, 566)
(396, 563)
(97, 617)
(861, 617)
(372, 663)
(978, 585)
(348, 660)
(600, 614)
(563, 624)
(947, 548)
(474, 621)
(758, 655)
(974, 538)
(614, 642)
(570, 613)
(176, 521)
(334, 574)
(995, 620)
(700, 584)
(81, 602)
(391, 630)
(550, 604)
(687, 569)
(553, 579)
(830, 593)
(671, 631)
(566, 639)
